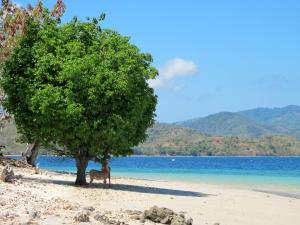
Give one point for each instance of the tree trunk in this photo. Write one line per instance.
(104, 161)
(31, 153)
(82, 161)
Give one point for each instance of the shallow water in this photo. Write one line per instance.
(257, 172)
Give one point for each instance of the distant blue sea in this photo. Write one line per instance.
(257, 171)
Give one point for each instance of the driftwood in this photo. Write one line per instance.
(7, 174)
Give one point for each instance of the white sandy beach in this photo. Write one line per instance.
(51, 198)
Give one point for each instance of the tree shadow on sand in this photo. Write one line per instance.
(156, 190)
(122, 187)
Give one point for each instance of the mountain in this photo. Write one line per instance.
(257, 122)
(286, 118)
(165, 139)
(228, 124)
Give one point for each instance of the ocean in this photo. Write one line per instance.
(256, 172)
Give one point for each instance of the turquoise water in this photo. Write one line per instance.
(277, 172)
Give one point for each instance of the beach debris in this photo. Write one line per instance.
(107, 221)
(83, 216)
(30, 222)
(89, 208)
(69, 206)
(7, 174)
(165, 216)
(66, 205)
(35, 214)
(134, 214)
(2, 202)
(36, 170)
(8, 214)
(13, 162)
(136, 217)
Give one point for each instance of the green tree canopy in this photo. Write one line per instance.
(80, 87)
(13, 27)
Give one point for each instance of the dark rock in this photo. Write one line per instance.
(157, 214)
(166, 220)
(189, 221)
(165, 216)
(82, 217)
(100, 217)
(35, 214)
(105, 220)
(178, 220)
(7, 174)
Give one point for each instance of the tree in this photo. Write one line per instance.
(13, 22)
(80, 87)
(13, 27)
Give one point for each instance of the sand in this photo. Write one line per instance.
(51, 198)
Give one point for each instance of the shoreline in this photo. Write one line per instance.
(273, 190)
(236, 183)
(278, 193)
(180, 156)
(273, 182)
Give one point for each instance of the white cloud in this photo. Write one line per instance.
(178, 67)
(172, 69)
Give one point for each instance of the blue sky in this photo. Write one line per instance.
(213, 55)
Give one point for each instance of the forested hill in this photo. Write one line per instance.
(168, 139)
(283, 120)
(257, 122)
(165, 139)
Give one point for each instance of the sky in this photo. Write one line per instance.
(212, 55)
